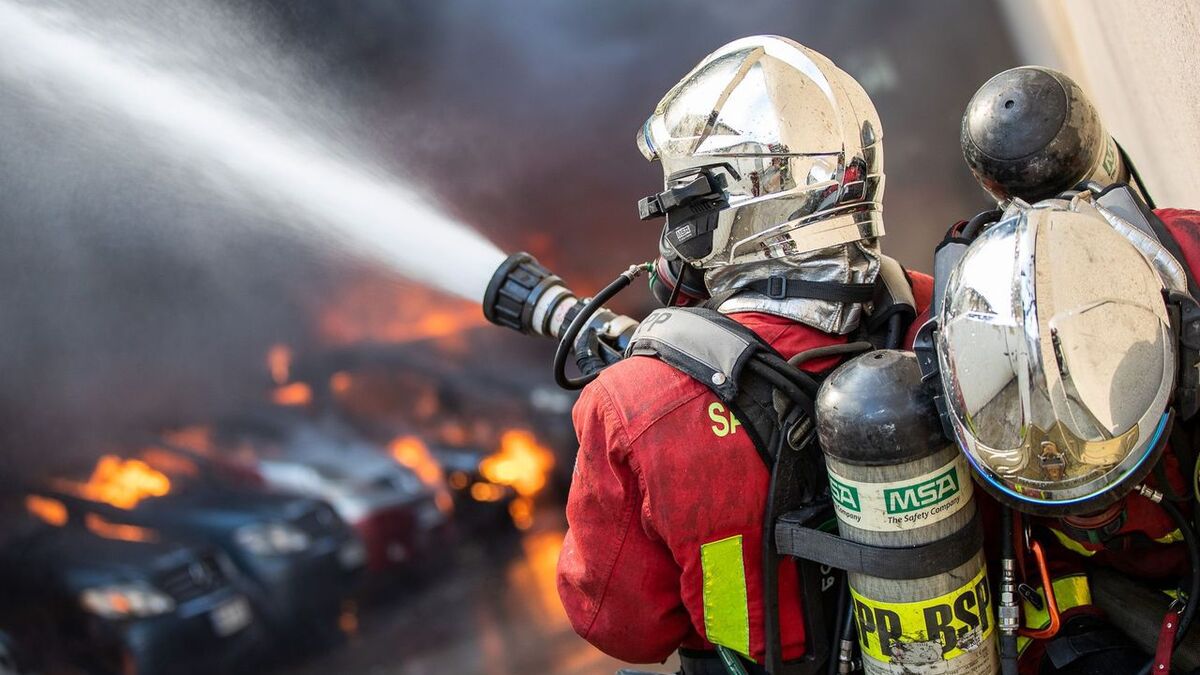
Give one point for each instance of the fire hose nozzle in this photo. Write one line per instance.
(525, 296)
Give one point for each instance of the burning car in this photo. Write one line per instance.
(117, 599)
(397, 514)
(509, 477)
(298, 559)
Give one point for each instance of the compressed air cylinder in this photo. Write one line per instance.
(1031, 132)
(897, 482)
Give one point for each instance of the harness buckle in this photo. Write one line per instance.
(777, 288)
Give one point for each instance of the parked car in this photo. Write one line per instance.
(479, 504)
(111, 603)
(398, 516)
(298, 559)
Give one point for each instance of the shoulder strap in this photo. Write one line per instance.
(1123, 201)
(715, 351)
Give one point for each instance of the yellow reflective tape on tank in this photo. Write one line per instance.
(1170, 537)
(1069, 592)
(1071, 544)
(726, 613)
(956, 623)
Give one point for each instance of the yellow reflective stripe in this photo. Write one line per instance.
(1170, 537)
(1069, 592)
(1071, 544)
(726, 613)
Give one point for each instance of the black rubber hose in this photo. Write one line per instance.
(797, 377)
(1192, 542)
(841, 632)
(1008, 643)
(782, 383)
(975, 225)
(895, 332)
(815, 353)
(567, 341)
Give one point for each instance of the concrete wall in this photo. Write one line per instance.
(1140, 60)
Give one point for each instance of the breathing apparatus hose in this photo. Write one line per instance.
(1192, 542)
(567, 342)
(843, 638)
(975, 225)
(1008, 556)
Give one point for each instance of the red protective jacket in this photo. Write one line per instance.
(664, 469)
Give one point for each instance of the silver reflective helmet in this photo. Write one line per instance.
(1057, 359)
(799, 140)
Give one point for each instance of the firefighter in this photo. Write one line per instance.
(773, 180)
(1031, 134)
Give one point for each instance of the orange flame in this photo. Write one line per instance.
(370, 311)
(120, 483)
(340, 382)
(521, 511)
(294, 394)
(279, 363)
(196, 438)
(110, 530)
(49, 511)
(521, 463)
(412, 453)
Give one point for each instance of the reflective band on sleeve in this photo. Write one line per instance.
(726, 614)
(1071, 544)
(1069, 592)
(1170, 537)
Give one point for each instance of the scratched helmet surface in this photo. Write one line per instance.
(1057, 359)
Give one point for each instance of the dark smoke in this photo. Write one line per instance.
(131, 291)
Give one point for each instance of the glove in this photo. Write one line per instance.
(594, 353)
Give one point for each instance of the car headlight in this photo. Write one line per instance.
(120, 601)
(271, 538)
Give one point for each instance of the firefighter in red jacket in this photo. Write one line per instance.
(1030, 135)
(667, 499)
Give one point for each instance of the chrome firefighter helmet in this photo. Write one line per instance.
(768, 151)
(1057, 357)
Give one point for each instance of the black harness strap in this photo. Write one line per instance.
(781, 287)
(795, 539)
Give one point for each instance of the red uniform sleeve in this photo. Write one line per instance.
(618, 582)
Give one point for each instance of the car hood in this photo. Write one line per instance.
(85, 559)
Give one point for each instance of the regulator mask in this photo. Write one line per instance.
(693, 199)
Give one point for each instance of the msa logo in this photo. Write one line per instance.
(919, 495)
(844, 495)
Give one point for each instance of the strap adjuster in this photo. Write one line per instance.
(777, 287)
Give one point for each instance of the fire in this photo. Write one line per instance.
(120, 482)
(412, 453)
(294, 394)
(196, 438)
(521, 511)
(49, 511)
(279, 363)
(340, 382)
(390, 313)
(521, 463)
(453, 433)
(110, 530)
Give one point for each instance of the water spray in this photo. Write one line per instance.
(318, 191)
